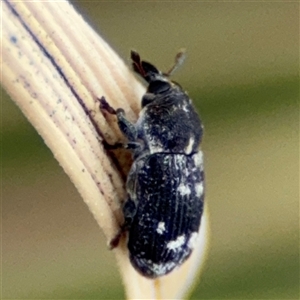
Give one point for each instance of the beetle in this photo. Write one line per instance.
(165, 185)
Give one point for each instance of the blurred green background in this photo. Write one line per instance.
(242, 71)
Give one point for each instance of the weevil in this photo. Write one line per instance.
(165, 185)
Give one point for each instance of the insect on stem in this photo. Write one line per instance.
(165, 185)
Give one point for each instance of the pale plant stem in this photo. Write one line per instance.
(54, 66)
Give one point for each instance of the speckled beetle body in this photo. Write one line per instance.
(165, 185)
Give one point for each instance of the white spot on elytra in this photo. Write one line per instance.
(173, 245)
(161, 269)
(180, 159)
(198, 159)
(184, 189)
(161, 228)
(193, 240)
(199, 189)
(185, 108)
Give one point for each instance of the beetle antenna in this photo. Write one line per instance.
(179, 59)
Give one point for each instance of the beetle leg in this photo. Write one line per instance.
(127, 128)
(129, 210)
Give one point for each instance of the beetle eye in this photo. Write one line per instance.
(158, 87)
(147, 98)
